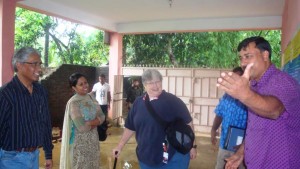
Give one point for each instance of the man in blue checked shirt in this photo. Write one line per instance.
(229, 112)
(25, 123)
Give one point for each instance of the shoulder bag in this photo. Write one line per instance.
(178, 133)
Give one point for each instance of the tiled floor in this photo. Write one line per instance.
(205, 159)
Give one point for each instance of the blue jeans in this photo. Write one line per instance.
(19, 160)
(178, 161)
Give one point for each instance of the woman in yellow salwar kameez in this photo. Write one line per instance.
(80, 147)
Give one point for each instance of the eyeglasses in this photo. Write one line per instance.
(34, 64)
(153, 83)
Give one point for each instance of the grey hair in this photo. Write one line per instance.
(22, 55)
(151, 74)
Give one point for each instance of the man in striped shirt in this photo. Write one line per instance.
(25, 123)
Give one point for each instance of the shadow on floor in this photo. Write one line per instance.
(206, 157)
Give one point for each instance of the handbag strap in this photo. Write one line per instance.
(153, 113)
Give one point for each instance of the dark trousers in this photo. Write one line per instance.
(104, 109)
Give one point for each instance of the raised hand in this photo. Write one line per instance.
(235, 85)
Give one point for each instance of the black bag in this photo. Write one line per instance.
(178, 133)
(102, 131)
(180, 136)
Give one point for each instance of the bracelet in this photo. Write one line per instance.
(194, 146)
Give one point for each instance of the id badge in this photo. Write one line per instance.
(165, 157)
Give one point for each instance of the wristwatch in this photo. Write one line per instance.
(194, 146)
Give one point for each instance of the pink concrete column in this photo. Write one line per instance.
(7, 30)
(115, 63)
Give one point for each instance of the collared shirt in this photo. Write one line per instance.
(233, 113)
(24, 118)
(271, 143)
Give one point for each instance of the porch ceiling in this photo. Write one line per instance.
(148, 16)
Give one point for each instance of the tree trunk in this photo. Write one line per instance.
(46, 56)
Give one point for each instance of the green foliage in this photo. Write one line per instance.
(197, 49)
(65, 46)
(28, 28)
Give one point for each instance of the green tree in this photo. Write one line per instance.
(59, 46)
(197, 49)
(27, 29)
(31, 27)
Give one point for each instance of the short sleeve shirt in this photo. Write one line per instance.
(275, 143)
(149, 134)
(101, 92)
(233, 113)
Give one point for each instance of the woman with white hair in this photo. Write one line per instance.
(153, 150)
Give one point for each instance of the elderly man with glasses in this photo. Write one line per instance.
(24, 115)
